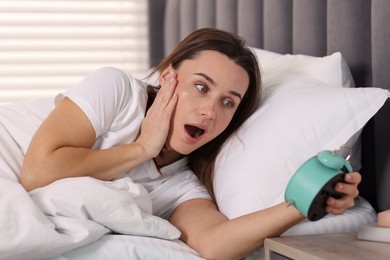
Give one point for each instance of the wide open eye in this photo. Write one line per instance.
(228, 103)
(202, 88)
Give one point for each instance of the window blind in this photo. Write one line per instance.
(47, 46)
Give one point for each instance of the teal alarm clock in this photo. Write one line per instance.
(313, 183)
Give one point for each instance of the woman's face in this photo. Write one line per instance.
(210, 88)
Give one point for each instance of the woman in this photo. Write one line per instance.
(209, 86)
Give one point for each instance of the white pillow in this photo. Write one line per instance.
(332, 70)
(299, 116)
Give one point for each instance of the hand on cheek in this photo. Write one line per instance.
(159, 116)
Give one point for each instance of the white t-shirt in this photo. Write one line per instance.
(115, 103)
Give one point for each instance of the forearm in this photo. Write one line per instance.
(215, 237)
(239, 237)
(42, 168)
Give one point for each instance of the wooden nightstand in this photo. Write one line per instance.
(326, 246)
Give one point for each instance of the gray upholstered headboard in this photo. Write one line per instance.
(359, 29)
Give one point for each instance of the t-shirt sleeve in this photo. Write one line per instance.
(101, 95)
(179, 188)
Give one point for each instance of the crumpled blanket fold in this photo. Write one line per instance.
(71, 213)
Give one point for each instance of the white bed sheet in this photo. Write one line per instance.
(88, 214)
(132, 247)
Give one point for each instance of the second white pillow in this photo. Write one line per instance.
(331, 70)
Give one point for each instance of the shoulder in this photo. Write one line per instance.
(176, 189)
(110, 77)
(108, 95)
(109, 84)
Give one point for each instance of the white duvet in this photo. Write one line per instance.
(71, 213)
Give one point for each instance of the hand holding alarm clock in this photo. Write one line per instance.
(313, 183)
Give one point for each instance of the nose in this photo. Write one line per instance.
(207, 111)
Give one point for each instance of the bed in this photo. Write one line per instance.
(332, 53)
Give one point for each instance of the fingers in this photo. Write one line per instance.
(347, 188)
(166, 98)
(339, 206)
(159, 116)
(350, 191)
(167, 78)
(353, 177)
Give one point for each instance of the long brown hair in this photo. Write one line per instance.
(202, 160)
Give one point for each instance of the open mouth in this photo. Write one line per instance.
(194, 131)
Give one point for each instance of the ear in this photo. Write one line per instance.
(164, 76)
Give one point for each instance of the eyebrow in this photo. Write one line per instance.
(209, 79)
